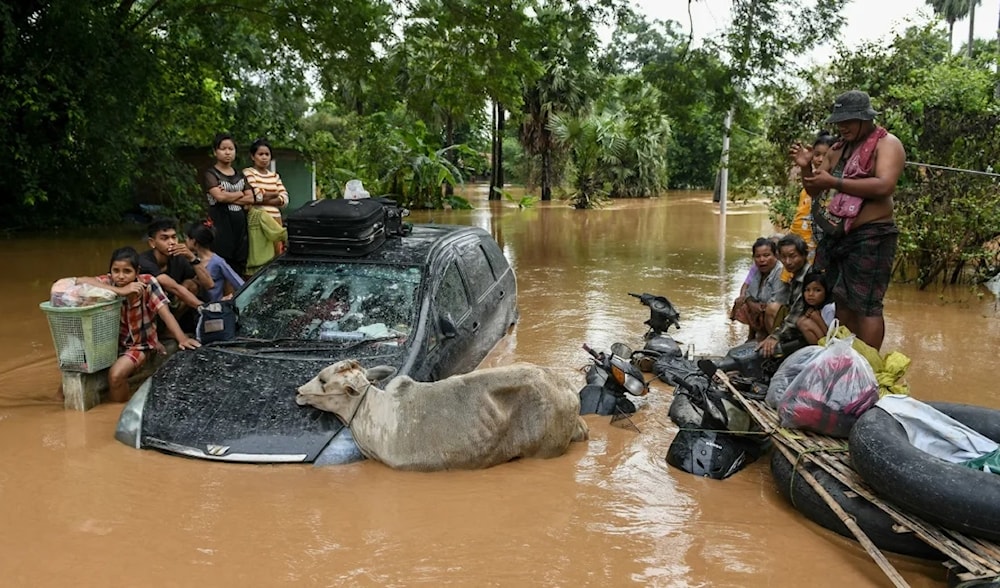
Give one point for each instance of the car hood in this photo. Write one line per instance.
(216, 403)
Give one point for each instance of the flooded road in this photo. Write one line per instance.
(78, 508)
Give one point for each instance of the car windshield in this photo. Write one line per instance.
(329, 301)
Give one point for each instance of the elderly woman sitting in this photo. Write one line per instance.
(760, 289)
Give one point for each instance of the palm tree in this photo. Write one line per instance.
(565, 39)
(558, 90)
(951, 11)
(595, 144)
(972, 25)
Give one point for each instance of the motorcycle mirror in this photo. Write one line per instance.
(621, 350)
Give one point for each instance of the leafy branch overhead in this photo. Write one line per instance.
(582, 100)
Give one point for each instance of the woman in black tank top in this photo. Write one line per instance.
(228, 192)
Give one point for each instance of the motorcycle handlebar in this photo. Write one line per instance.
(682, 383)
(593, 353)
(644, 298)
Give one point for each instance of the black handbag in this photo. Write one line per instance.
(216, 321)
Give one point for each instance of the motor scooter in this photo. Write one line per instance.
(662, 316)
(609, 380)
(754, 369)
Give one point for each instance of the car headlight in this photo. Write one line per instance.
(129, 427)
(340, 450)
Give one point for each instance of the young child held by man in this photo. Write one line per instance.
(137, 337)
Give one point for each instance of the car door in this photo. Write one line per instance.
(451, 322)
(488, 316)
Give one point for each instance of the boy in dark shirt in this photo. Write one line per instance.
(178, 270)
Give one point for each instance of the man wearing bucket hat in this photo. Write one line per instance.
(852, 212)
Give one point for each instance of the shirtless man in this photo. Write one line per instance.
(856, 253)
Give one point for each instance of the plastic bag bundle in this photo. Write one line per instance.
(833, 389)
(787, 371)
(889, 370)
(66, 292)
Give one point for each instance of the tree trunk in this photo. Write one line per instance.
(724, 162)
(449, 139)
(996, 91)
(951, 35)
(972, 24)
(497, 185)
(546, 167)
(493, 151)
(956, 274)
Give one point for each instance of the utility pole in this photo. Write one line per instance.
(724, 163)
(996, 90)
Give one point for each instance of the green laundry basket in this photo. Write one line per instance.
(86, 337)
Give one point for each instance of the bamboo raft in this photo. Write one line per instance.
(971, 559)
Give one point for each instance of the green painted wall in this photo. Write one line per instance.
(297, 174)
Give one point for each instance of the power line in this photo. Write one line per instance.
(954, 169)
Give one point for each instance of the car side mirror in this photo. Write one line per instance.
(448, 328)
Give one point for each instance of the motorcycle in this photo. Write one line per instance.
(754, 369)
(662, 316)
(716, 437)
(609, 380)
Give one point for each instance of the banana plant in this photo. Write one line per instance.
(420, 177)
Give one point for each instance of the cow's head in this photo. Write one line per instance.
(339, 388)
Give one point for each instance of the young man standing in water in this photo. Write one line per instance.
(852, 212)
(178, 270)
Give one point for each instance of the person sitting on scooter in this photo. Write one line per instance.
(793, 251)
(755, 295)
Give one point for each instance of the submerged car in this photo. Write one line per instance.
(430, 304)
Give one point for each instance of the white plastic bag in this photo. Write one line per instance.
(835, 388)
(787, 371)
(66, 292)
(354, 190)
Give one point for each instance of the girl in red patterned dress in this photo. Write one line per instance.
(144, 301)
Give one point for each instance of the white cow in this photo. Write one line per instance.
(475, 420)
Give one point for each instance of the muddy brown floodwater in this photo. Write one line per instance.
(78, 508)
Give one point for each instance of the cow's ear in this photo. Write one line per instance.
(379, 373)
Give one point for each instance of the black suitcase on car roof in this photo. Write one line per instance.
(336, 227)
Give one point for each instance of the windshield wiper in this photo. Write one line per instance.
(247, 341)
(328, 346)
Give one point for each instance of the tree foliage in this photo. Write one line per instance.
(944, 110)
(98, 95)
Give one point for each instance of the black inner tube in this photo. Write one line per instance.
(950, 495)
(872, 520)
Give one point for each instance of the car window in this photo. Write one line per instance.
(451, 297)
(476, 269)
(317, 300)
(498, 263)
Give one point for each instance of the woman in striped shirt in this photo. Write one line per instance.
(270, 192)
